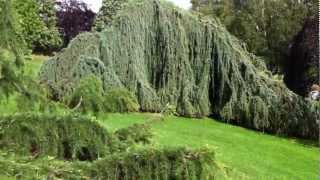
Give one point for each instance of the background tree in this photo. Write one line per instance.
(215, 8)
(267, 27)
(74, 17)
(30, 22)
(37, 20)
(51, 37)
(107, 12)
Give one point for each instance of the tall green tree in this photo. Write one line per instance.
(267, 27)
(276, 22)
(38, 24)
(52, 39)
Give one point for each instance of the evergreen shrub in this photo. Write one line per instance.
(65, 136)
(138, 133)
(142, 164)
(90, 96)
(151, 163)
(120, 100)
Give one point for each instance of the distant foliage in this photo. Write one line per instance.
(267, 27)
(32, 25)
(38, 24)
(108, 11)
(74, 17)
(51, 39)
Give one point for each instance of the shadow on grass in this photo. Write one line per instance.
(304, 142)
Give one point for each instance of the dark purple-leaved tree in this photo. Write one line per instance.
(74, 17)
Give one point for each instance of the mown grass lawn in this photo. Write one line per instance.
(33, 66)
(249, 154)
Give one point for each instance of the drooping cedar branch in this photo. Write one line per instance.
(166, 55)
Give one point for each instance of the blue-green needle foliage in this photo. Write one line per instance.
(165, 55)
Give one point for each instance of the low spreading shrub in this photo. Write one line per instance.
(137, 133)
(120, 100)
(48, 139)
(177, 163)
(17, 167)
(169, 110)
(90, 96)
(142, 164)
(65, 136)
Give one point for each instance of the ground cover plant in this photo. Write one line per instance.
(170, 163)
(64, 136)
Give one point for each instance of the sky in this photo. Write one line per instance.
(96, 4)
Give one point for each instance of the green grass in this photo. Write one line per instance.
(248, 153)
(33, 66)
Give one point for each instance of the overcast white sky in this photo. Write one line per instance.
(96, 4)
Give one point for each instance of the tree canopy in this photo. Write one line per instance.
(107, 13)
(74, 17)
(37, 20)
(267, 27)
